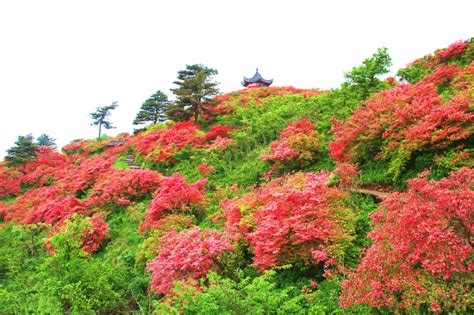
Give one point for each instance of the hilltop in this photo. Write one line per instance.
(253, 209)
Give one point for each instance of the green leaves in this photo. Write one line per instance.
(363, 79)
(153, 109)
(195, 86)
(99, 117)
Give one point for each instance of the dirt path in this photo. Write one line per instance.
(378, 194)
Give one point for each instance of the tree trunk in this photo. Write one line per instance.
(100, 129)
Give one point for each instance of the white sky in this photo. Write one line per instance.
(59, 60)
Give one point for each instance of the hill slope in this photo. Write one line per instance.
(251, 210)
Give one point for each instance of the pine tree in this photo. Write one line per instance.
(23, 151)
(45, 140)
(100, 116)
(153, 109)
(195, 86)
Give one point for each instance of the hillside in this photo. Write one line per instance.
(253, 209)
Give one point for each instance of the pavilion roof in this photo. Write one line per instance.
(257, 78)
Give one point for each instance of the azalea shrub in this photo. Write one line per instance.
(160, 144)
(56, 210)
(292, 219)
(10, 182)
(90, 231)
(346, 175)
(122, 187)
(186, 255)
(82, 177)
(23, 209)
(298, 142)
(47, 167)
(83, 147)
(421, 256)
(403, 125)
(175, 196)
(460, 52)
(205, 169)
(226, 104)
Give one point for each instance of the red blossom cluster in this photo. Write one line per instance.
(57, 203)
(292, 218)
(47, 166)
(23, 208)
(53, 211)
(408, 118)
(298, 141)
(347, 174)
(91, 235)
(453, 50)
(225, 104)
(205, 169)
(121, 187)
(10, 182)
(92, 238)
(185, 255)
(174, 194)
(217, 131)
(161, 144)
(83, 176)
(87, 147)
(422, 248)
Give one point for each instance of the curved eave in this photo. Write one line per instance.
(248, 81)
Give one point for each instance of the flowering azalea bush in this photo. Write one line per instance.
(175, 195)
(10, 182)
(161, 144)
(205, 169)
(83, 176)
(217, 131)
(57, 210)
(422, 251)
(294, 218)
(297, 142)
(395, 124)
(47, 166)
(22, 209)
(225, 104)
(119, 186)
(87, 147)
(91, 231)
(459, 52)
(347, 175)
(185, 255)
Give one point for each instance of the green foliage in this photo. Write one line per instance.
(153, 109)
(364, 79)
(23, 151)
(413, 74)
(45, 140)
(121, 162)
(195, 86)
(100, 116)
(260, 295)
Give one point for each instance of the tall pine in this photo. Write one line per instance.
(153, 109)
(23, 151)
(195, 87)
(100, 116)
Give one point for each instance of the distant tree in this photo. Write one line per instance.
(23, 151)
(99, 117)
(153, 109)
(45, 140)
(363, 79)
(195, 86)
